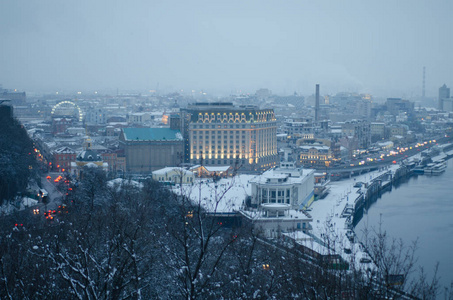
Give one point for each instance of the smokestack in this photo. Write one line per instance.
(317, 104)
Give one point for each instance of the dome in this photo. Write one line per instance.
(88, 155)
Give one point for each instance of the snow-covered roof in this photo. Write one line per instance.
(118, 182)
(298, 236)
(217, 168)
(313, 245)
(27, 202)
(64, 150)
(170, 169)
(383, 144)
(289, 214)
(88, 155)
(319, 148)
(280, 174)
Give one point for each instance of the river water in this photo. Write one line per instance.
(421, 208)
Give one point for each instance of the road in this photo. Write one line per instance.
(55, 196)
(384, 161)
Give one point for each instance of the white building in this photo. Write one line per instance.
(285, 184)
(174, 174)
(95, 116)
(273, 201)
(279, 197)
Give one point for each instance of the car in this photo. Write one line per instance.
(50, 214)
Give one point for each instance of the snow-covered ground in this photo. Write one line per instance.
(326, 213)
(228, 196)
(224, 196)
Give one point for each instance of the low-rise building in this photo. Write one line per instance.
(115, 160)
(174, 175)
(315, 156)
(279, 199)
(285, 184)
(87, 158)
(212, 171)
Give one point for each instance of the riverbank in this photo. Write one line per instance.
(337, 215)
(419, 208)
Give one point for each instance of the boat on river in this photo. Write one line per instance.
(435, 168)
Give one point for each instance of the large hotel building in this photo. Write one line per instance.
(219, 134)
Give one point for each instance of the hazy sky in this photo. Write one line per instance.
(378, 47)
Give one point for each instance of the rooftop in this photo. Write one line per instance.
(170, 169)
(151, 134)
(64, 150)
(283, 175)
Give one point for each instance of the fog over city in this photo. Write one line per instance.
(253, 149)
(227, 47)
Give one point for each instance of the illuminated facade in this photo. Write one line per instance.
(223, 134)
(315, 156)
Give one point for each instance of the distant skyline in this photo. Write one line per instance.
(226, 47)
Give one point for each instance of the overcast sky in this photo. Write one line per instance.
(378, 47)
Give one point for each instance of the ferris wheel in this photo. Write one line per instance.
(67, 108)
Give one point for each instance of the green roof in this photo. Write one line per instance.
(151, 134)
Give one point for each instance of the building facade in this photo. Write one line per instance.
(302, 129)
(17, 98)
(287, 185)
(360, 130)
(397, 105)
(148, 149)
(87, 158)
(318, 156)
(115, 160)
(174, 175)
(222, 134)
(444, 94)
(62, 159)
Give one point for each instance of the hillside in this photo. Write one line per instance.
(17, 162)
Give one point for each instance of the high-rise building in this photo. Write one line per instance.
(444, 93)
(219, 134)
